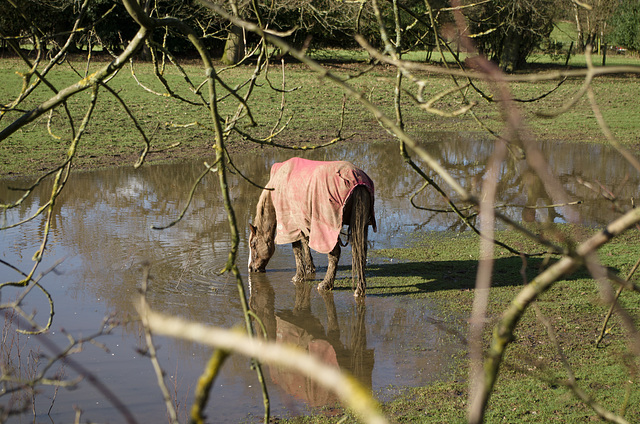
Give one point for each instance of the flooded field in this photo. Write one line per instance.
(102, 234)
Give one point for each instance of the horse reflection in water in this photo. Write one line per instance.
(306, 203)
(299, 327)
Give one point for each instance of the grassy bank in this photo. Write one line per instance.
(311, 106)
(532, 386)
(533, 383)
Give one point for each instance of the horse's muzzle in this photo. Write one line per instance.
(253, 268)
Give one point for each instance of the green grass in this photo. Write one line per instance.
(312, 109)
(531, 386)
(564, 32)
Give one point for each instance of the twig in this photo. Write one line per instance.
(205, 382)
(612, 307)
(485, 270)
(204, 173)
(571, 380)
(153, 356)
(64, 94)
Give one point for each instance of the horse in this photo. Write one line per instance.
(306, 203)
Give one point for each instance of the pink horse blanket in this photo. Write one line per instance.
(309, 197)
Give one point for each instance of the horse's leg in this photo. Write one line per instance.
(302, 303)
(309, 267)
(298, 253)
(333, 329)
(330, 276)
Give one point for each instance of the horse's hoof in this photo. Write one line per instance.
(358, 294)
(298, 278)
(325, 286)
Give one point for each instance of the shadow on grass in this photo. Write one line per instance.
(404, 278)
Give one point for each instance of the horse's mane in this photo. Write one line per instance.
(265, 220)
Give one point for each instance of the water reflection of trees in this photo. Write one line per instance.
(109, 212)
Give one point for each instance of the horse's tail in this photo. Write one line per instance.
(358, 234)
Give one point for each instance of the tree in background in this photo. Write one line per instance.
(41, 23)
(591, 22)
(324, 23)
(625, 30)
(113, 29)
(309, 23)
(507, 31)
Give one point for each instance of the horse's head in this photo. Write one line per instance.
(260, 250)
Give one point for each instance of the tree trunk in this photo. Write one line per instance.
(509, 59)
(234, 47)
(579, 29)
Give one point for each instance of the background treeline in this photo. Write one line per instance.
(507, 31)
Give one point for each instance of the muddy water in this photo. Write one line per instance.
(102, 232)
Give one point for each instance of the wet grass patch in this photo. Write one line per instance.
(532, 385)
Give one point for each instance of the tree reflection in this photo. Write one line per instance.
(110, 212)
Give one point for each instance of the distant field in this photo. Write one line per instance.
(564, 32)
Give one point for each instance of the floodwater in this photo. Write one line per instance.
(102, 233)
